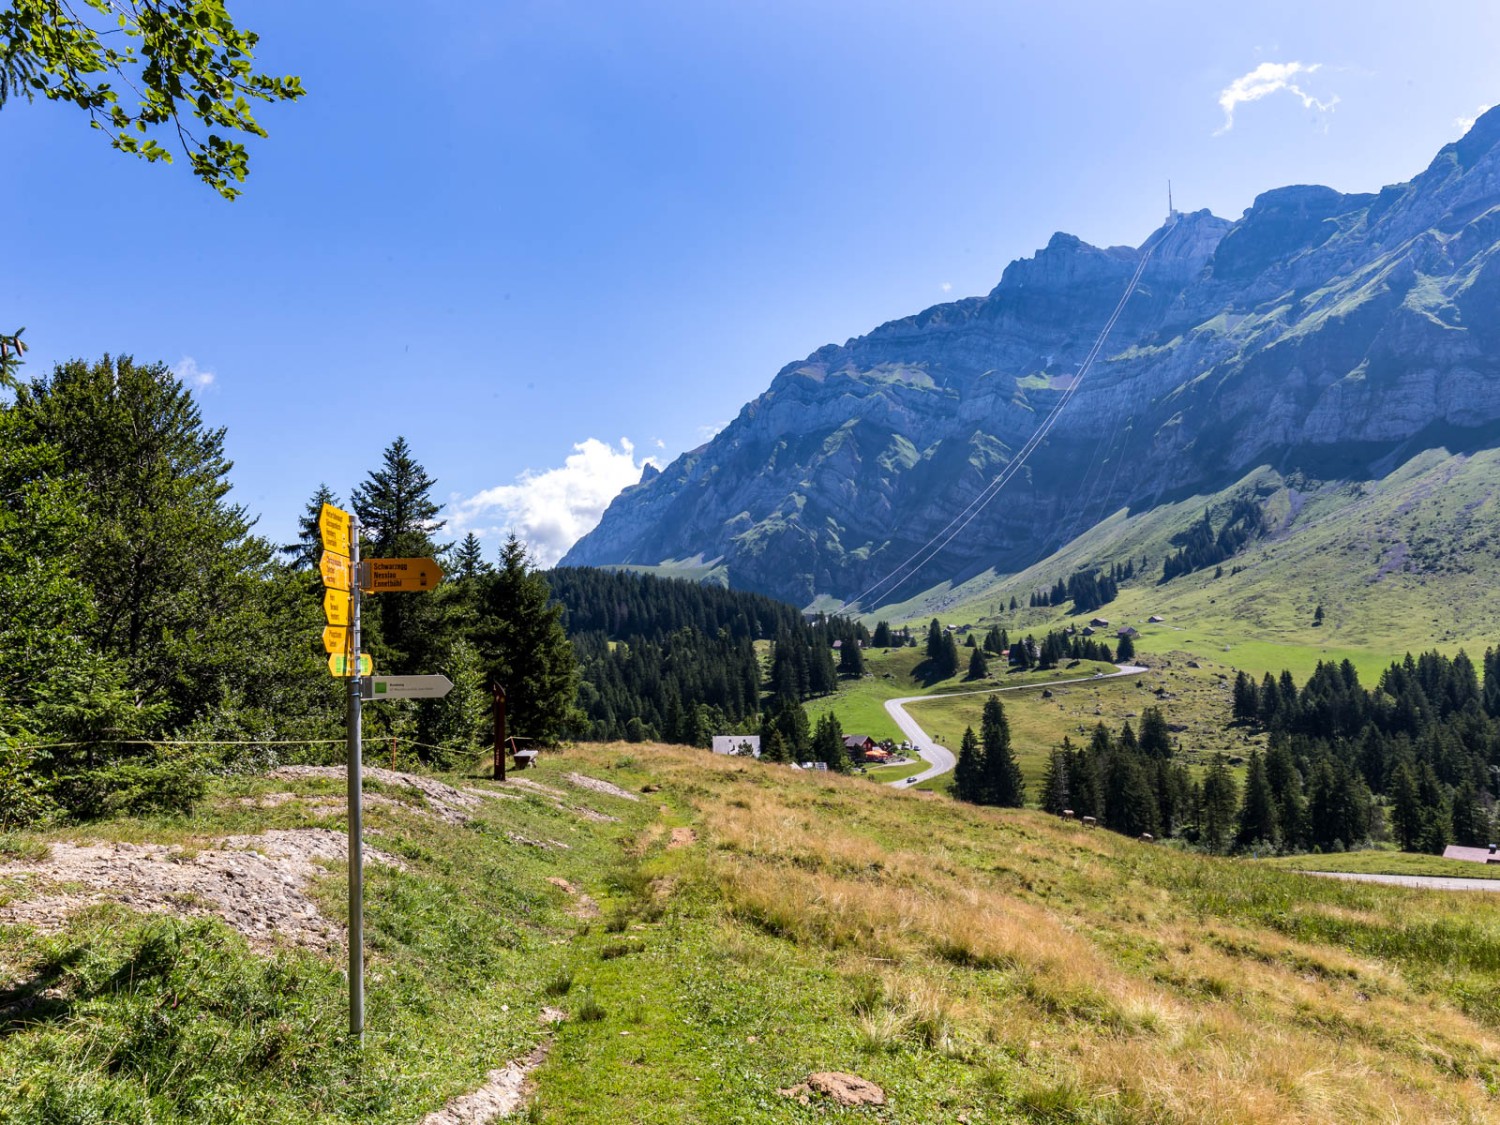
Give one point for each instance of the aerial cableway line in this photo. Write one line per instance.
(930, 550)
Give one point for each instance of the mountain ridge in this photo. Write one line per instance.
(1322, 332)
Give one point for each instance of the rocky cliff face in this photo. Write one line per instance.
(1327, 333)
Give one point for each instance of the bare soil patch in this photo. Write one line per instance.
(837, 1087)
(254, 883)
(585, 782)
(682, 837)
(452, 805)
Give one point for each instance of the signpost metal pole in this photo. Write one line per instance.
(499, 733)
(356, 807)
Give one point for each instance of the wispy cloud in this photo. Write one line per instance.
(1267, 79)
(710, 431)
(1467, 123)
(188, 371)
(946, 287)
(551, 509)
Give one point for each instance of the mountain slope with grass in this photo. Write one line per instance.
(1330, 336)
(711, 932)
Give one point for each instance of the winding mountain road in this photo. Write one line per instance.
(943, 759)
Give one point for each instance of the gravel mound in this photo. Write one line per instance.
(585, 782)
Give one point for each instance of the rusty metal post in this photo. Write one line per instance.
(499, 733)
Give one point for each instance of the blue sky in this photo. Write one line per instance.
(520, 234)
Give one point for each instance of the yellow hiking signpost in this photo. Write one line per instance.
(390, 576)
(338, 566)
(335, 571)
(340, 665)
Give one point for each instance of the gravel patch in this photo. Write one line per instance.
(254, 883)
(504, 1090)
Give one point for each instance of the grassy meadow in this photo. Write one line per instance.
(1400, 564)
(755, 924)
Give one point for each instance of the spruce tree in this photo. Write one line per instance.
(1258, 812)
(828, 743)
(1406, 807)
(1003, 784)
(1220, 802)
(308, 548)
(935, 641)
(468, 559)
(1155, 739)
(968, 771)
(882, 637)
(524, 648)
(851, 659)
(1056, 791)
(398, 518)
(1125, 649)
(978, 667)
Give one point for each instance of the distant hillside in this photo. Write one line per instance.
(672, 658)
(1329, 337)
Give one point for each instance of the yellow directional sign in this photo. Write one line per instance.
(335, 570)
(334, 524)
(387, 576)
(335, 639)
(341, 665)
(336, 607)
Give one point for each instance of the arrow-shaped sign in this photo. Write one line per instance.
(336, 607)
(335, 571)
(335, 638)
(341, 665)
(407, 687)
(333, 524)
(388, 576)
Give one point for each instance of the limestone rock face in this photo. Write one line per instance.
(1321, 332)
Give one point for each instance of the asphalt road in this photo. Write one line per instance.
(941, 758)
(1424, 882)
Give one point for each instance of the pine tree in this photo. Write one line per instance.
(968, 771)
(935, 641)
(773, 747)
(978, 667)
(1125, 649)
(1318, 616)
(1258, 812)
(1246, 699)
(1129, 800)
(468, 559)
(1220, 801)
(308, 548)
(1056, 792)
(524, 648)
(948, 663)
(851, 659)
(828, 743)
(1406, 807)
(1155, 739)
(1003, 784)
(398, 517)
(882, 638)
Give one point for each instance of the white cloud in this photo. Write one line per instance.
(710, 431)
(1467, 123)
(1266, 79)
(188, 371)
(946, 287)
(551, 509)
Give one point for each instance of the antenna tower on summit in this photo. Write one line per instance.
(1171, 211)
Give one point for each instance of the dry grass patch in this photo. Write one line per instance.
(1117, 983)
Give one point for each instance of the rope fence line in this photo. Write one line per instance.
(239, 742)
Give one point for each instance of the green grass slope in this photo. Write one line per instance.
(1398, 564)
(758, 924)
